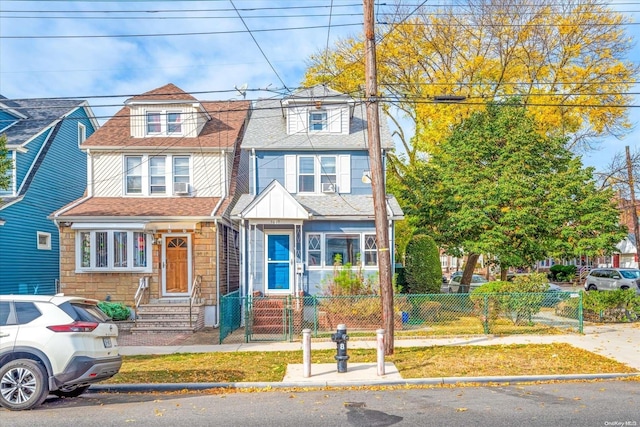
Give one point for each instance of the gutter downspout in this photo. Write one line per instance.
(216, 323)
(255, 172)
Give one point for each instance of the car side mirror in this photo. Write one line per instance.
(615, 276)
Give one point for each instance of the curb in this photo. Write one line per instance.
(168, 387)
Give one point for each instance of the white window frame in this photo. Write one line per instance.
(362, 235)
(170, 178)
(319, 174)
(131, 239)
(167, 128)
(323, 121)
(82, 133)
(46, 245)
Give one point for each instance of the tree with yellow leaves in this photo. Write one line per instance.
(565, 60)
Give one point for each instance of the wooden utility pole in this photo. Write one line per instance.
(634, 211)
(377, 178)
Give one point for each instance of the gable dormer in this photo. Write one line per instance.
(318, 110)
(166, 112)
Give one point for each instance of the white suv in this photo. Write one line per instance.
(53, 344)
(610, 279)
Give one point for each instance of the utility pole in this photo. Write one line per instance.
(377, 178)
(632, 192)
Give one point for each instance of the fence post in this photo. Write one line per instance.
(580, 313)
(485, 320)
(306, 353)
(315, 315)
(380, 351)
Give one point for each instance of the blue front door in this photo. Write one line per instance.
(279, 263)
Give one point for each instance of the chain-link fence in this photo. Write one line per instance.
(430, 315)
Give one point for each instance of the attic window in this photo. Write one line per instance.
(162, 123)
(318, 120)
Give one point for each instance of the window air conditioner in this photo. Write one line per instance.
(328, 187)
(180, 188)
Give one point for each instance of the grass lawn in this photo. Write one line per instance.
(412, 362)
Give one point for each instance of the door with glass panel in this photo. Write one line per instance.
(176, 265)
(279, 263)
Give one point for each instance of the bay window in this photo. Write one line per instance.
(113, 250)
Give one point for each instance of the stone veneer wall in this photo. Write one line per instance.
(121, 287)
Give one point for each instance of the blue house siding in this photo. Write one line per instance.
(316, 279)
(6, 119)
(57, 177)
(270, 166)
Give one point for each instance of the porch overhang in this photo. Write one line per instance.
(275, 203)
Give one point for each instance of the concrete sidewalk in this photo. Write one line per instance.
(620, 342)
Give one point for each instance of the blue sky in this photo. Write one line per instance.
(223, 55)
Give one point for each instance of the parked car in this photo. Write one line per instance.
(53, 344)
(553, 295)
(610, 279)
(455, 286)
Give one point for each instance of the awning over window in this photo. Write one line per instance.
(108, 226)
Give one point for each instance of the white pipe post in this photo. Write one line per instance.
(306, 353)
(380, 347)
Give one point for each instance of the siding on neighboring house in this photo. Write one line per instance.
(49, 175)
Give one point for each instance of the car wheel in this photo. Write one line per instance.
(624, 288)
(22, 385)
(71, 393)
(592, 288)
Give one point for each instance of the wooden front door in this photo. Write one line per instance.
(177, 265)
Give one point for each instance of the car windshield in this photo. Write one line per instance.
(630, 274)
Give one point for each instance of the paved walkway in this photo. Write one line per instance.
(620, 342)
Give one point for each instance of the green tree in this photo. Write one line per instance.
(423, 273)
(6, 164)
(500, 186)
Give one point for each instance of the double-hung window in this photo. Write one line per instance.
(154, 123)
(133, 165)
(113, 250)
(306, 174)
(318, 120)
(174, 122)
(181, 170)
(163, 123)
(153, 175)
(315, 173)
(157, 175)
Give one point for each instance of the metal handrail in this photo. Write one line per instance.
(141, 292)
(196, 293)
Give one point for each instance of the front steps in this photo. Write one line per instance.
(168, 316)
(268, 316)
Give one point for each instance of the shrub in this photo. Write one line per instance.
(619, 304)
(349, 281)
(115, 310)
(423, 272)
(563, 273)
(517, 300)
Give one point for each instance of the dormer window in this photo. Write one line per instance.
(318, 120)
(164, 123)
(153, 123)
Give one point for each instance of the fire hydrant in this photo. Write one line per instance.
(340, 338)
